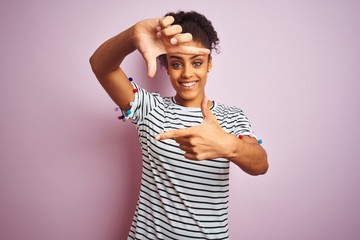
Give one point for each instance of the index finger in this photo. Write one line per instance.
(190, 50)
(173, 134)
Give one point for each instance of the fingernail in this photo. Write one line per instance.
(158, 34)
(173, 41)
(158, 28)
(157, 137)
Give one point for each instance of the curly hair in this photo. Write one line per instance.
(200, 28)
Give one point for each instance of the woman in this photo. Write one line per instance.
(187, 141)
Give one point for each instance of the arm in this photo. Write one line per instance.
(208, 141)
(106, 60)
(247, 153)
(105, 65)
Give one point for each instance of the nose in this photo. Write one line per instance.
(187, 71)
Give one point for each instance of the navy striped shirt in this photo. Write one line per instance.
(180, 198)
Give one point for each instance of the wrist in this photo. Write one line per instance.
(131, 37)
(232, 146)
(129, 41)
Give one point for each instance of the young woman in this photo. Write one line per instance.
(187, 141)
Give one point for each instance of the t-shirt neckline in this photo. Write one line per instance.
(191, 108)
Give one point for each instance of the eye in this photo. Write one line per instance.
(197, 64)
(176, 65)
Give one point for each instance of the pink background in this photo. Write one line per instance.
(70, 170)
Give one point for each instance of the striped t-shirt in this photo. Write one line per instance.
(180, 198)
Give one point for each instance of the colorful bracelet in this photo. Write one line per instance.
(259, 141)
(128, 112)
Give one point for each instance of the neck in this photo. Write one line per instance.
(194, 103)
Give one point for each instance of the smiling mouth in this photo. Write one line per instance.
(188, 84)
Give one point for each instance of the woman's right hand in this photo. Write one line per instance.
(106, 60)
(154, 37)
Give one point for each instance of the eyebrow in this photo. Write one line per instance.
(195, 56)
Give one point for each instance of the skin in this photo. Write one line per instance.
(189, 69)
(187, 62)
(209, 141)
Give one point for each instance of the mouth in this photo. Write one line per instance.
(188, 85)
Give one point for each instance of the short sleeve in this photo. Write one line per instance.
(242, 125)
(144, 103)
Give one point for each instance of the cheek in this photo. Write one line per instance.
(173, 75)
(173, 80)
(203, 73)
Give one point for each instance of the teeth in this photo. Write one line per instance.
(188, 84)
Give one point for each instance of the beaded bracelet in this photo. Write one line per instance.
(128, 112)
(259, 141)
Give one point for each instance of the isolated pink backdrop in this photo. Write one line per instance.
(70, 170)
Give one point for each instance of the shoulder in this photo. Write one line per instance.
(222, 109)
(232, 119)
(144, 94)
(168, 101)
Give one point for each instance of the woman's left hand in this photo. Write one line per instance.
(205, 141)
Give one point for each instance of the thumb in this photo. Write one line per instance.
(151, 64)
(205, 109)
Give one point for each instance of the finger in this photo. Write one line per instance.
(166, 21)
(185, 148)
(171, 31)
(193, 156)
(151, 64)
(181, 38)
(174, 134)
(184, 141)
(206, 112)
(190, 156)
(190, 50)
